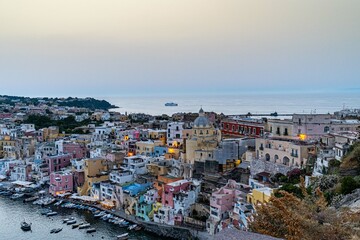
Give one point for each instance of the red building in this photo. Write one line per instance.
(173, 188)
(243, 127)
(57, 162)
(78, 151)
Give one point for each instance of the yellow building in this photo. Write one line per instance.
(155, 169)
(147, 148)
(95, 170)
(259, 196)
(203, 141)
(50, 133)
(158, 135)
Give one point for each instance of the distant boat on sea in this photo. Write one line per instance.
(171, 104)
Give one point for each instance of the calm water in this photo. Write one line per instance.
(13, 212)
(239, 103)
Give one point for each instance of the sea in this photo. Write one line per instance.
(238, 104)
(13, 212)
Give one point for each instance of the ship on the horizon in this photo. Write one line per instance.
(171, 104)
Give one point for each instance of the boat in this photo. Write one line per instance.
(31, 199)
(91, 230)
(68, 219)
(171, 104)
(25, 226)
(138, 228)
(17, 196)
(77, 225)
(49, 214)
(71, 222)
(45, 211)
(100, 214)
(85, 225)
(123, 236)
(132, 227)
(55, 230)
(5, 193)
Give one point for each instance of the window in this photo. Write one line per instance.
(326, 129)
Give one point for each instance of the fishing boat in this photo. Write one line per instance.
(91, 230)
(31, 199)
(132, 227)
(68, 219)
(58, 230)
(77, 225)
(123, 236)
(49, 214)
(17, 196)
(45, 211)
(71, 222)
(85, 225)
(25, 226)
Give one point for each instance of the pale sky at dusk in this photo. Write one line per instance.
(112, 47)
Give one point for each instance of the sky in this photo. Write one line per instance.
(129, 47)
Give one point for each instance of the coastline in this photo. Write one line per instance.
(153, 228)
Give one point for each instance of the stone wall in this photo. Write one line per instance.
(258, 166)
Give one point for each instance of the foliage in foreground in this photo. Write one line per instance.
(293, 218)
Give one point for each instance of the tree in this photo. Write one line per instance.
(348, 184)
(293, 218)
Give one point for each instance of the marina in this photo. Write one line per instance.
(59, 226)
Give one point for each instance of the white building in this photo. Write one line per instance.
(174, 133)
(121, 176)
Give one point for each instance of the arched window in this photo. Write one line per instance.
(267, 157)
(286, 161)
(276, 158)
(326, 129)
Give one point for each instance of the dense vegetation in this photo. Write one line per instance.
(89, 103)
(67, 125)
(290, 217)
(296, 212)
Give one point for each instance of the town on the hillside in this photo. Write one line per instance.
(204, 172)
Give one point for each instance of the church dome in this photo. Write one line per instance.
(201, 120)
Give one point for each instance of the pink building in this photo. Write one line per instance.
(78, 151)
(222, 201)
(61, 182)
(57, 162)
(171, 189)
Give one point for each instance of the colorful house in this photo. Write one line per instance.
(61, 182)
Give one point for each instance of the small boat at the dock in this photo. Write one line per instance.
(85, 225)
(91, 230)
(25, 226)
(56, 230)
(76, 225)
(132, 227)
(58, 203)
(123, 236)
(67, 219)
(45, 211)
(51, 214)
(100, 214)
(5, 193)
(71, 222)
(17, 196)
(31, 199)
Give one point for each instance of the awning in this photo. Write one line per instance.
(84, 198)
(107, 203)
(23, 183)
